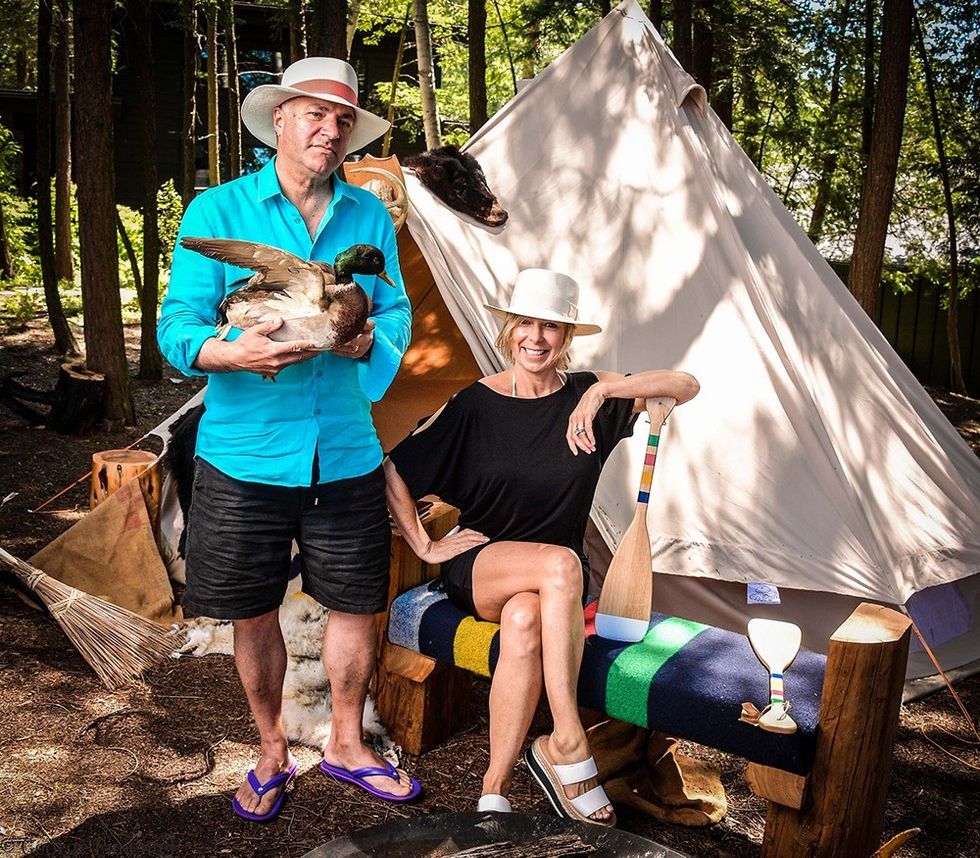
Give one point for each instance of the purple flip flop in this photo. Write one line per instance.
(276, 781)
(357, 777)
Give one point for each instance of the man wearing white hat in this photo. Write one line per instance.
(298, 459)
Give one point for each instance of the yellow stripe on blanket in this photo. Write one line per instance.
(471, 645)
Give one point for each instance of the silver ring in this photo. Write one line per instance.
(579, 430)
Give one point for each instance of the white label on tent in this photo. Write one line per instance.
(762, 594)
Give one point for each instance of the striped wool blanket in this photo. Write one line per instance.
(684, 678)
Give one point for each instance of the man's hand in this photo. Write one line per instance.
(253, 351)
(360, 345)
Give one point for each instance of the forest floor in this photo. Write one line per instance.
(150, 770)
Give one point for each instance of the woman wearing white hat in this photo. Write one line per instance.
(520, 453)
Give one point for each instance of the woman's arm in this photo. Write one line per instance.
(680, 386)
(404, 512)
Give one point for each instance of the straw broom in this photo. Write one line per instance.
(117, 644)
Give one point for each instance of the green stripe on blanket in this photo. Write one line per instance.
(639, 663)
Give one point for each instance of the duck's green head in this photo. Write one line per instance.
(360, 259)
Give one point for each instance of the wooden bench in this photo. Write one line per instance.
(825, 785)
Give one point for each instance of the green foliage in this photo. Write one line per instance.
(170, 209)
(20, 306)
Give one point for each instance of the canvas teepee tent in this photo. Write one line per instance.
(812, 459)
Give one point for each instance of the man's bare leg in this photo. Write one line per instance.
(349, 654)
(260, 656)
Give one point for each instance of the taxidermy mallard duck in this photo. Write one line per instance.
(316, 301)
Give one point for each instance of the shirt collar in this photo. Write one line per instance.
(268, 184)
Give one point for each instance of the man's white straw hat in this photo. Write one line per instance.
(543, 294)
(317, 77)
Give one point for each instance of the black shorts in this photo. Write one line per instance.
(240, 535)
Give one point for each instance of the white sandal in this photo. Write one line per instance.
(552, 778)
(493, 802)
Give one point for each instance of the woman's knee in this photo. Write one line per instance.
(562, 571)
(520, 625)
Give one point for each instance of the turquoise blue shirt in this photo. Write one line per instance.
(253, 429)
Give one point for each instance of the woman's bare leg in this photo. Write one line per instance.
(515, 689)
(504, 569)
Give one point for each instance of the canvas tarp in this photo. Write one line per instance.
(812, 458)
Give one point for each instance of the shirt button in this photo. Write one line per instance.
(317, 411)
(319, 373)
(295, 220)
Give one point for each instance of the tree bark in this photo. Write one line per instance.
(104, 344)
(682, 32)
(722, 72)
(395, 75)
(214, 126)
(353, 14)
(151, 362)
(657, 14)
(702, 55)
(427, 84)
(330, 19)
(64, 340)
(64, 267)
(189, 114)
(297, 31)
(510, 53)
(234, 105)
(6, 260)
(864, 279)
(956, 382)
(476, 31)
(868, 100)
(828, 166)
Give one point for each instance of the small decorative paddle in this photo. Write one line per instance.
(627, 593)
(775, 643)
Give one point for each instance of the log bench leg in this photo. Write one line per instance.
(422, 701)
(843, 803)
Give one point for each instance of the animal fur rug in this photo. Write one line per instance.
(306, 707)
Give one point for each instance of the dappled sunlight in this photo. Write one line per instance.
(811, 457)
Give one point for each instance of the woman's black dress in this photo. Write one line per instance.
(505, 464)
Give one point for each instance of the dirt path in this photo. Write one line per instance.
(151, 770)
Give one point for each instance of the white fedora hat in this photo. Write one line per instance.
(317, 77)
(543, 294)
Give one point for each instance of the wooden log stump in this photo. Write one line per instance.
(843, 805)
(78, 401)
(112, 468)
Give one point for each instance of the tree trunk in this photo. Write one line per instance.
(427, 84)
(828, 166)
(6, 260)
(64, 340)
(703, 43)
(657, 14)
(722, 72)
(864, 280)
(354, 14)
(214, 125)
(868, 101)
(604, 8)
(21, 67)
(189, 114)
(151, 362)
(64, 267)
(104, 344)
(297, 31)
(529, 63)
(510, 54)
(330, 18)
(476, 31)
(682, 32)
(234, 105)
(956, 382)
(395, 75)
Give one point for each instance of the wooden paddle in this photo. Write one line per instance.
(627, 593)
(775, 644)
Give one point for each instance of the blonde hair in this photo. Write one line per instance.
(505, 341)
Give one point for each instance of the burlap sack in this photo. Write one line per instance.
(111, 554)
